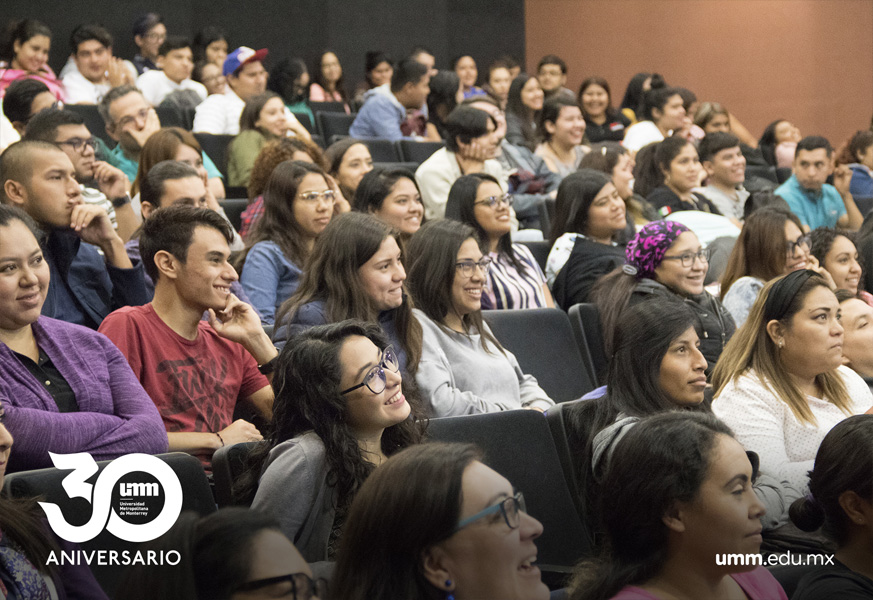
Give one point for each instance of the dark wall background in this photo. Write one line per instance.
(485, 29)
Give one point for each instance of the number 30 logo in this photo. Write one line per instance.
(102, 514)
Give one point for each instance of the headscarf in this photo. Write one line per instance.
(647, 248)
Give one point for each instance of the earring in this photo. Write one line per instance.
(449, 594)
(781, 344)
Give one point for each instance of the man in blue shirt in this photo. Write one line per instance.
(384, 115)
(816, 203)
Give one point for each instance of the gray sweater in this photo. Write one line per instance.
(293, 490)
(458, 377)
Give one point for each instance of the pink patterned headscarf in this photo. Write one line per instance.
(647, 248)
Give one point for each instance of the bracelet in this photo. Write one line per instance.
(219, 439)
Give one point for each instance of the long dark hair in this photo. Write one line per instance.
(610, 113)
(283, 80)
(349, 241)
(634, 95)
(252, 110)
(411, 503)
(377, 185)
(318, 77)
(431, 256)
(515, 106)
(637, 539)
(278, 223)
(461, 207)
(443, 95)
(20, 31)
(843, 464)
(306, 384)
(575, 195)
(767, 143)
(652, 160)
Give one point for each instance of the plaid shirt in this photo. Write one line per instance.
(250, 216)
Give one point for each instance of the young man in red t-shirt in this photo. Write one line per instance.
(194, 371)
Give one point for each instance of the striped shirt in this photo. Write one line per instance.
(94, 196)
(508, 288)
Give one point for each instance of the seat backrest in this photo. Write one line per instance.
(585, 321)
(47, 484)
(93, 121)
(417, 152)
(317, 107)
(382, 150)
(304, 120)
(333, 123)
(555, 417)
(233, 208)
(228, 463)
(762, 171)
(176, 116)
(318, 140)
(215, 147)
(783, 174)
(543, 343)
(411, 167)
(518, 445)
(540, 250)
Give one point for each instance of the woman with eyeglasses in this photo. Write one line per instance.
(680, 501)
(589, 213)
(771, 244)
(340, 412)
(435, 522)
(298, 205)
(780, 384)
(233, 554)
(463, 368)
(665, 259)
(355, 272)
(515, 280)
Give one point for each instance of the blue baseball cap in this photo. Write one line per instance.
(241, 56)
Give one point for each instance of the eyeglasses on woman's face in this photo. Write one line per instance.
(495, 201)
(303, 587)
(466, 266)
(375, 380)
(687, 259)
(801, 242)
(329, 196)
(510, 508)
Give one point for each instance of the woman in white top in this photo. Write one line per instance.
(665, 114)
(779, 382)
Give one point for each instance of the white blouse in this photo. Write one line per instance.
(765, 424)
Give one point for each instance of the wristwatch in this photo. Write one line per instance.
(269, 366)
(121, 201)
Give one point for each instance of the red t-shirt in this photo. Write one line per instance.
(194, 383)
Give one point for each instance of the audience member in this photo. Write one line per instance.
(378, 71)
(515, 280)
(445, 94)
(770, 245)
(668, 176)
(26, 570)
(463, 550)
(552, 75)
(290, 79)
(463, 368)
(425, 56)
(327, 83)
(173, 76)
(391, 195)
(588, 213)
(816, 203)
(858, 155)
(195, 372)
(778, 143)
(713, 117)
(725, 166)
(839, 502)
(149, 32)
(298, 205)
(340, 412)
(835, 252)
(25, 54)
(40, 178)
(603, 122)
(210, 45)
(235, 552)
(856, 318)
(465, 67)
(348, 161)
(665, 534)
(470, 148)
(210, 75)
(633, 102)
(562, 130)
(25, 98)
(665, 259)
(498, 83)
(689, 130)
(355, 272)
(99, 182)
(64, 388)
(96, 69)
(664, 115)
(383, 115)
(523, 106)
(262, 121)
(779, 383)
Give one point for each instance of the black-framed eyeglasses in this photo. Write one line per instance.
(466, 266)
(687, 259)
(303, 587)
(791, 247)
(495, 201)
(375, 379)
(510, 508)
(78, 144)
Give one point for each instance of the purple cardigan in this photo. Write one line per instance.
(116, 415)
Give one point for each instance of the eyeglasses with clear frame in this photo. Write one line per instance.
(313, 197)
(687, 259)
(510, 508)
(466, 266)
(303, 587)
(495, 201)
(375, 380)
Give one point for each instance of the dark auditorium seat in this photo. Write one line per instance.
(417, 152)
(317, 107)
(542, 341)
(783, 174)
(555, 417)
(93, 121)
(228, 463)
(318, 140)
(585, 321)
(175, 116)
(215, 147)
(233, 208)
(382, 151)
(540, 251)
(411, 167)
(760, 171)
(518, 445)
(333, 123)
(47, 483)
(306, 122)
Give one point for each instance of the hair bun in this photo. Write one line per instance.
(807, 513)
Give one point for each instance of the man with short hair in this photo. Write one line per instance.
(552, 75)
(173, 75)
(383, 116)
(196, 372)
(725, 166)
(107, 186)
(94, 70)
(816, 203)
(149, 32)
(85, 286)
(425, 56)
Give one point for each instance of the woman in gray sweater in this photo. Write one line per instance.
(463, 368)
